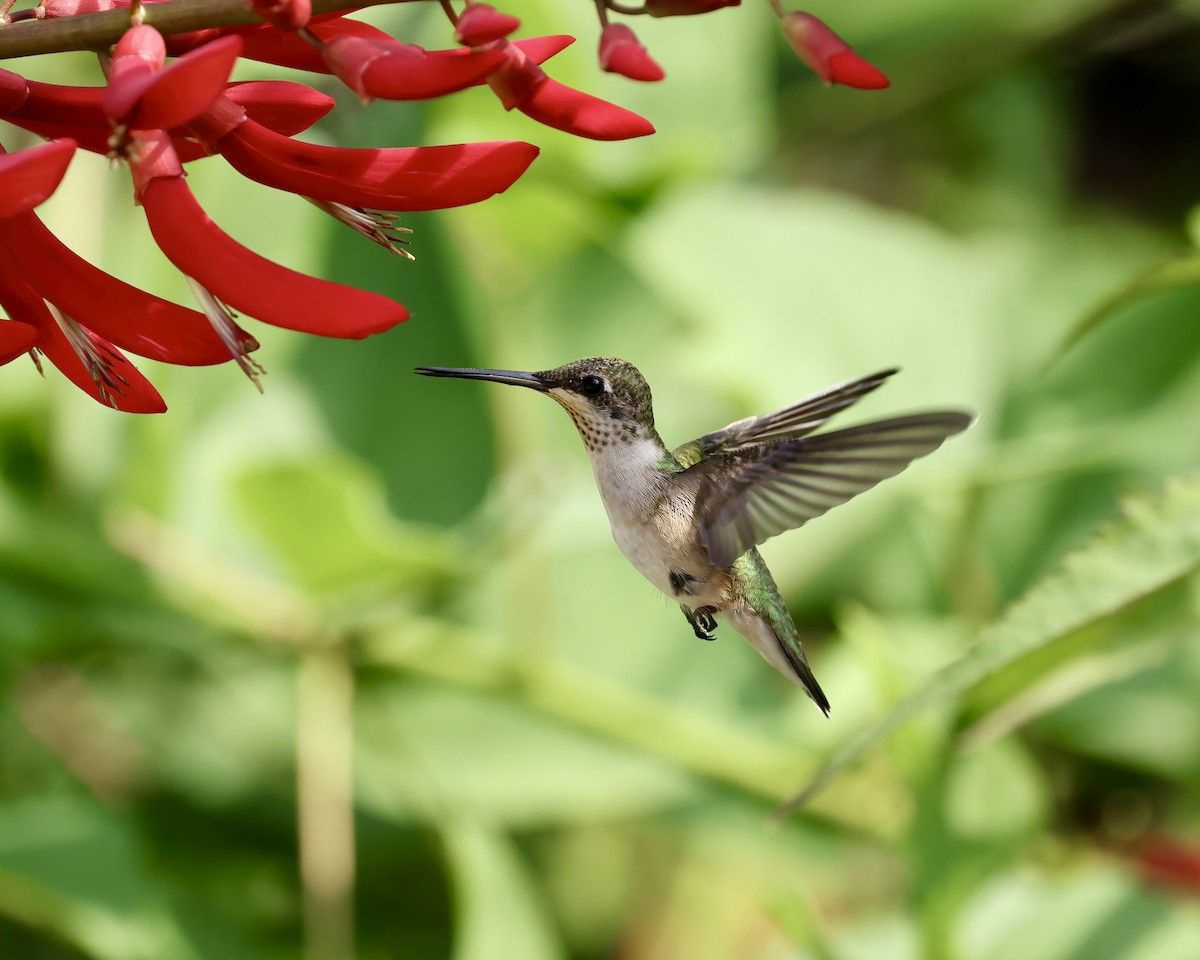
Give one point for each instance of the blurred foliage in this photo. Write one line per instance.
(358, 660)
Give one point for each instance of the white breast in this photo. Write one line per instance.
(637, 499)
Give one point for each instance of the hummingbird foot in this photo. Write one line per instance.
(702, 621)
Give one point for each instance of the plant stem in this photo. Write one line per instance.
(98, 31)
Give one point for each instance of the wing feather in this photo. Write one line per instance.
(792, 422)
(754, 492)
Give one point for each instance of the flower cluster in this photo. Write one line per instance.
(168, 101)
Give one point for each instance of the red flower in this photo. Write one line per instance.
(89, 361)
(142, 94)
(620, 52)
(482, 23)
(522, 84)
(403, 71)
(829, 56)
(284, 14)
(393, 178)
(237, 276)
(30, 176)
(131, 318)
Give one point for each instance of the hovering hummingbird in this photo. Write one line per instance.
(689, 519)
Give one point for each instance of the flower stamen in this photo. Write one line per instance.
(376, 225)
(97, 358)
(222, 319)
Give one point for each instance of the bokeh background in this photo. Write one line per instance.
(353, 668)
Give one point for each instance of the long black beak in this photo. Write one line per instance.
(515, 377)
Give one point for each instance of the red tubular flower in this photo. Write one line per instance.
(284, 106)
(284, 14)
(144, 95)
(828, 55)
(87, 360)
(686, 8)
(403, 71)
(16, 338)
(620, 52)
(131, 318)
(237, 276)
(522, 84)
(394, 178)
(482, 23)
(285, 49)
(280, 105)
(28, 177)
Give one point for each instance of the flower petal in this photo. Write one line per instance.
(284, 49)
(391, 178)
(828, 55)
(181, 91)
(482, 23)
(284, 14)
(400, 71)
(16, 338)
(137, 57)
(106, 375)
(573, 111)
(280, 105)
(133, 319)
(28, 177)
(621, 52)
(252, 284)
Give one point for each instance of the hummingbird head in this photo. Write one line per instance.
(607, 397)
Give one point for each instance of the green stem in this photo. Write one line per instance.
(98, 31)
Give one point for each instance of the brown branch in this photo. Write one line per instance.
(99, 31)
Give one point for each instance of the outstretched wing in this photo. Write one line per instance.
(798, 420)
(754, 493)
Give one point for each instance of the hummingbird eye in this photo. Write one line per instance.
(591, 386)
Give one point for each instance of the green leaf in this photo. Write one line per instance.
(499, 914)
(1180, 271)
(69, 866)
(1155, 544)
(326, 523)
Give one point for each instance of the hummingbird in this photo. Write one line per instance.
(690, 519)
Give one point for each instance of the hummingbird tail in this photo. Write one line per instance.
(804, 674)
(773, 635)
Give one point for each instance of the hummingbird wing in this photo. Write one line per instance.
(756, 492)
(798, 420)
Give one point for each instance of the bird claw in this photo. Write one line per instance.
(702, 620)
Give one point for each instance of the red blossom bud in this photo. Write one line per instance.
(482, 23)
(686, 8)
(284, 14)
(28, 177)
(403, 71)
(392, 178)
(522, 84)
(828, 55)
(620, 52)
(170, 97)
(247, 282)
(280, 105)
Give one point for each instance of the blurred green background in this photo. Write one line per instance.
(353, 668)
